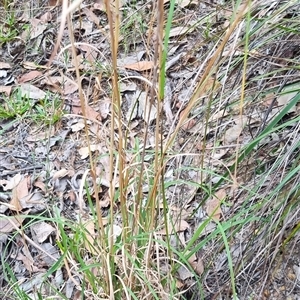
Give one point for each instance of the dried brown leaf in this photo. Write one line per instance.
(196, 263)
(41, 185)
(84, 151)
(90, 113)
(29, 76)
(32, 92)
(11, 183)
(28, 262)
(46, 17)
(179, 226)
(60, 174)
(42, 230)
(5, 89)
(140, 65)
(213, 206)
(4, 65)
(9, 225)
(20, 191)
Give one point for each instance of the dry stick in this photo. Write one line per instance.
(114, 20)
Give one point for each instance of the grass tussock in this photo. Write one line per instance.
(202, 203)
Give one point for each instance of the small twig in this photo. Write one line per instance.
(22, 170)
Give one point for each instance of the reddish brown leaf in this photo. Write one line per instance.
(29, 76)
(54, 2)
(140, 66)
(90, 113)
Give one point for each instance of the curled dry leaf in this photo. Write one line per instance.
(19, 192)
